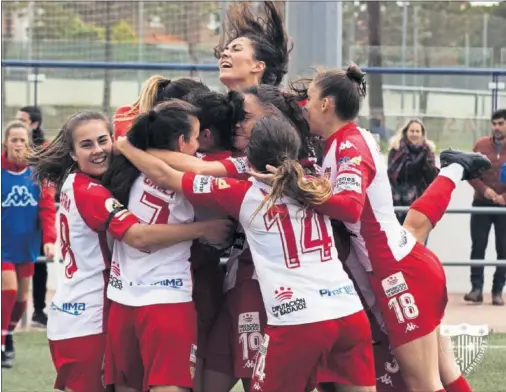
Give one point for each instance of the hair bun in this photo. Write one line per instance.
(354, 73)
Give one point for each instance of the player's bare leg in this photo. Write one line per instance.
(448, 368)
(449, 371)
(218, 382)
(420, 226)
(429, 208)
(419, 363)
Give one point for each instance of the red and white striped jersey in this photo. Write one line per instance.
(363, 198)
(87, 212)
(301, 278)
(240, 262)
(153, 276)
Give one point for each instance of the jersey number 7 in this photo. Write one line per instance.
(159, 207)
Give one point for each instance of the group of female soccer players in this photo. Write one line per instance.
(323, 287)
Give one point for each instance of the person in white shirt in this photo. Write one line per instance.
(314, 313)
(75, 161)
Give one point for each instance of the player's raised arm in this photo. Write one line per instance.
(188, 163)
(155, 169)
(355, 171)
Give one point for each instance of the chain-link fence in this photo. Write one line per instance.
(417, 34)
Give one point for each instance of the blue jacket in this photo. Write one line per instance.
(28, 214)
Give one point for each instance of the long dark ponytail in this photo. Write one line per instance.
(160, 128)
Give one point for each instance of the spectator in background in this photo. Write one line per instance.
(489, 192)
(32, 117)
(411, 164)
(28, 223)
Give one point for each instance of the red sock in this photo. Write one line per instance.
(441, 390)
(459, 385)
(8, 299)
(435, 200)
(17, 313)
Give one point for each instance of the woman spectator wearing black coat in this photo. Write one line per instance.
(411, 164)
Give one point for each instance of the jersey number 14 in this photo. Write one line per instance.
(279, 215)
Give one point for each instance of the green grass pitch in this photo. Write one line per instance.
(33, 370)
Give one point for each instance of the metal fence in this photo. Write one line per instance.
(453, 118)
(495, 87)
(450, 263)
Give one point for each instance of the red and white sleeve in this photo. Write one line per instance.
(356, 170)
(224, 194)
(100, 210)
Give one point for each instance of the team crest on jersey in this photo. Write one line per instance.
(19, 196)
(111, 204)
(469, 344)
(394, 284)
(288, 302)
(351, 161)
(249, 322)
(221, 184)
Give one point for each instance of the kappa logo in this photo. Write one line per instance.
(249, 364)
(385, 379)
(469, 344)
(19, 196)
(345, 145)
